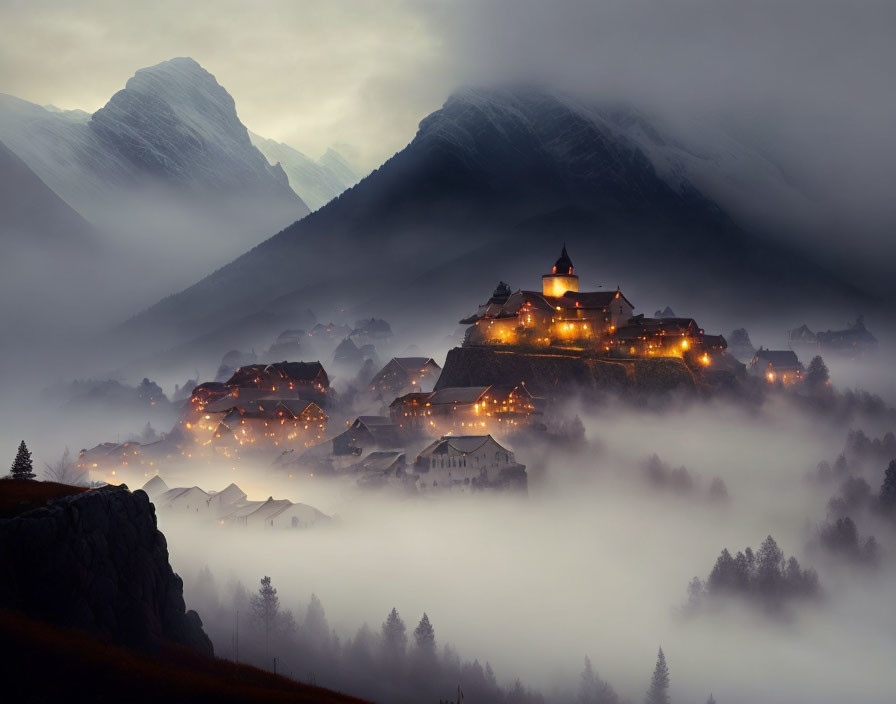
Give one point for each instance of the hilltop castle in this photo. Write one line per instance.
(600, 322)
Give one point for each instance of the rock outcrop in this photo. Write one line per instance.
(97, 561)
(556, 375)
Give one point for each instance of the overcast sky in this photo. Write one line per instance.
(810, 79)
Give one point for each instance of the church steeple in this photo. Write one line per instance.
(564, 264)
(561, 279)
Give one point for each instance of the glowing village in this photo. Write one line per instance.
(451, 429)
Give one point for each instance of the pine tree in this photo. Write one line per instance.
(817, 375)
(22, 466)
(659, 684)
(395, 637)
(425, 637)
(315, 625)
(265, 608)
(887, 490)
(588, 685)
(711, 700)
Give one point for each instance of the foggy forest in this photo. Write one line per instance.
(498, 352)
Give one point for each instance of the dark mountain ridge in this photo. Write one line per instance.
(487, 190)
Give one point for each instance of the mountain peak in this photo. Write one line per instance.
(174, 121)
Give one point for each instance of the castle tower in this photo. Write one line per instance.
(561, 279)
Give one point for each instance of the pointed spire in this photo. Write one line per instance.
(564, 263)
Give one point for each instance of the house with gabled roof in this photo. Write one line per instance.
(464, 409)
(183, 500)
(467, 463)
(777, 366)
(307, 380)
(156, 486)
(405, 374)
(366, 433)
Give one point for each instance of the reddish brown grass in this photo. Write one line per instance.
(19, 495)
(44, 662)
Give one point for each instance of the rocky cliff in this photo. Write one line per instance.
(551, 375)
(96, 561)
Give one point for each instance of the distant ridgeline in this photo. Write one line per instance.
(561, 339)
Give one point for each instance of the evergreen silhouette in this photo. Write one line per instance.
(22, 466)
(659, 684)
(887, 490)
(316, 627)
(593, 690)
(425, 636)
(265, 608)
(395, 637)
(817, 375)
(711, 700)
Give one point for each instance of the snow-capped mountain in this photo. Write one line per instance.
(315, 182)
(489, 188)
(162, 165)
(175, 121)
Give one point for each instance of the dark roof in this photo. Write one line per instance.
(564, 264)
(778, 358)
(715, 341)
(592, 299)
(261, 408)
(291, 371)
(373, 420)
(347, 349)
(464, 444)
(458, 394)
(802, 333)
(501, 294)
(413, 363)
(418, 396)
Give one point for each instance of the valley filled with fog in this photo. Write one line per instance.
(596, 561)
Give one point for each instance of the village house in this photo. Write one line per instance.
(260, 405)
(222, 502)
(468, 463)
(777, 366)
(464, 409)
(853, 341)
(156, 486)
(230, 422)
(189, 500)
(371, 332)
(404, 374)
(367, 433)
(106, 460)
(330, 331)
(273, 513)
(381, 468)
(296, 380)
(663, 337)
(231, 507)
